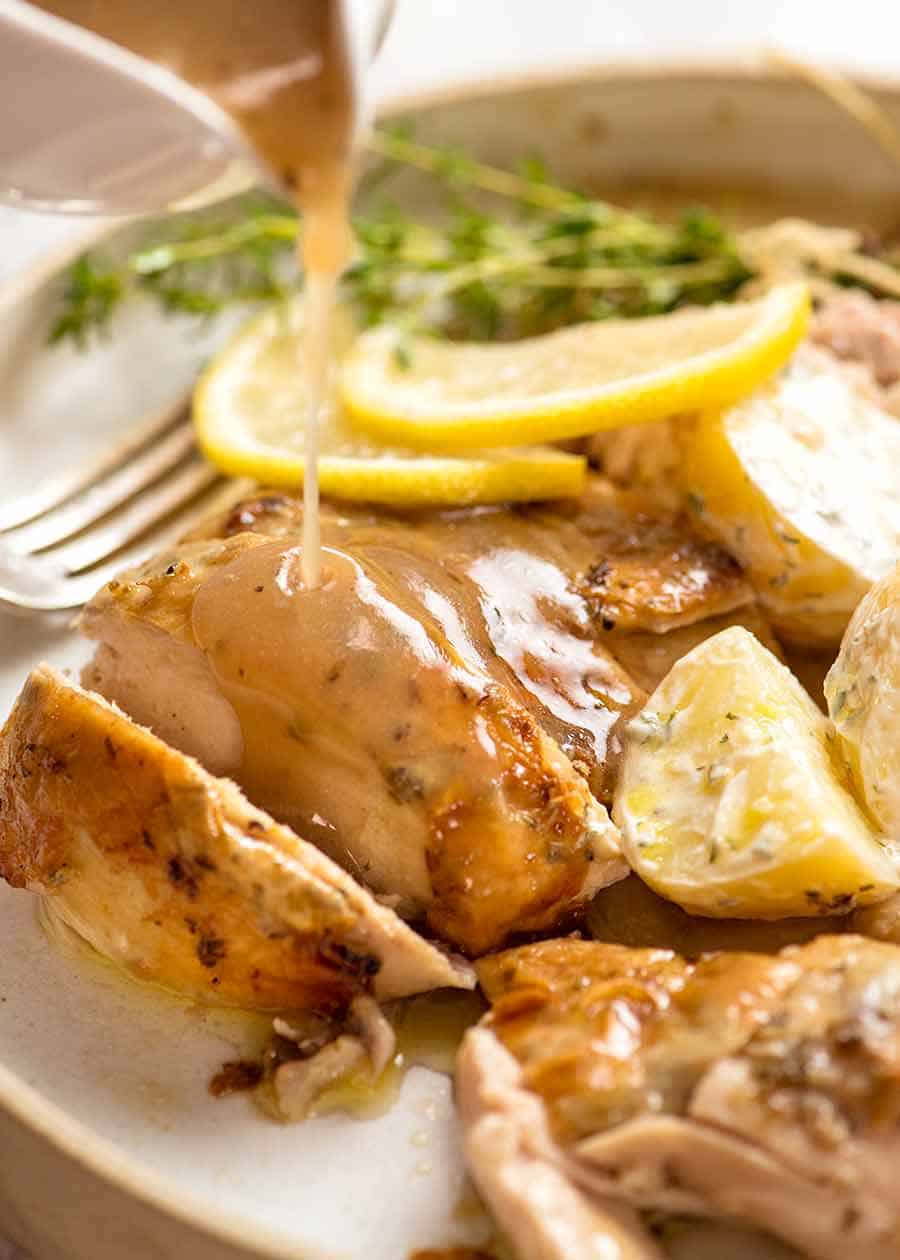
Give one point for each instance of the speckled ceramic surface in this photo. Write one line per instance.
(109, 1143)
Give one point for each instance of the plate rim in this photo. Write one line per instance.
(759, 66)
(115, 1165)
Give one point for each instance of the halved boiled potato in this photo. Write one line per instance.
(863, 693)
(730, 801)
(799, 481)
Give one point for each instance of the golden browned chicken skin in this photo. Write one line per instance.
(434, 715)
(606, 1082)
(172, 874)
(363, 727)
(551, 594)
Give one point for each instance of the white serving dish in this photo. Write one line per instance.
(109, 1144)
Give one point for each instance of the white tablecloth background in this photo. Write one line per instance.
(435, 41)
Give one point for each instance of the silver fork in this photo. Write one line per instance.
(62, 541)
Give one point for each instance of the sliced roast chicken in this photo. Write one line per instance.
(610, 1089)
(174, 875)
(442, 715)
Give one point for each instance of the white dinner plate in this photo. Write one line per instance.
(110, 1145)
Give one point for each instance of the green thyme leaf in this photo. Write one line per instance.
(508, 254)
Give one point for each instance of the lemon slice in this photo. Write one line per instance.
(578, 380)
(249, 411)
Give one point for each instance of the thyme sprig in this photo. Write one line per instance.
(509, 254)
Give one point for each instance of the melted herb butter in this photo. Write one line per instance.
(247, 1031)
(429, 1028)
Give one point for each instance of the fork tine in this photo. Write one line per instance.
(30, 585)
(38, 585)
(160, 501)
(113, 492)
(58, 490)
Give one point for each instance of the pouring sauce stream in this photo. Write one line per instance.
(281, 69)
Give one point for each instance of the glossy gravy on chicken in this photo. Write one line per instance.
(280, 69)
(440, 750)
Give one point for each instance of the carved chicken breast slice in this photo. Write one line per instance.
(754, 1089)
(174, 875)
(361, 714)
(576, 606)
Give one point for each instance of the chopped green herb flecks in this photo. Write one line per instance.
(651, 728)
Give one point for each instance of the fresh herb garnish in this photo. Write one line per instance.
(508, 254)
(198, 268)
(93, 291)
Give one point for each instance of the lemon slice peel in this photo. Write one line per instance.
(572, 382)
(249, 409)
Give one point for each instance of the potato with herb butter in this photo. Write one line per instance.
(731, 801)
(863, 693)
(799, 482)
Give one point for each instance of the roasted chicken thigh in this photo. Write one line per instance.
(607, 1083)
